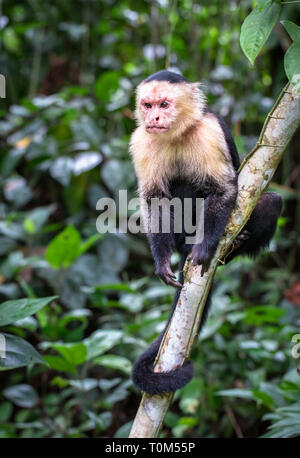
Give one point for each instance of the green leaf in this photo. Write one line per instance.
(101, 341)
(291, 431)
(74, 353)
(68, 332)
(18, 353)
(236, 392)
(59, 381)
(263, 314)
(37, 218)
(64, 248)
(257, 27)
(86, 245)
(60, 364)
(106, 85)
(86, 384)
(292, 29)
(113, 287)
(290, 421)
(264, 397)
(22, 395)
(114, 362)
(11, 40)
(12, 311)
(188, 421)
(292, 65)
(124, 430)
(29, 226)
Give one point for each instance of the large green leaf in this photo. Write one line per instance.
(292, 29)
(114, 362)
(106, 85)
(64, 248)
(292, 56)
(262, 314)
(11, 40)
(257, 27)
(264, 397)
(11, 311)
(292, 65)
(101, 341)
(22, 395)
(18, 353)
(60, 364)
(74, 353)
(68, 246)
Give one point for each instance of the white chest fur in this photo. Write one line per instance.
(200, 152)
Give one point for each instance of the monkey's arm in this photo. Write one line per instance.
(162, 246)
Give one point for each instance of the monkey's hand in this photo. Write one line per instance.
(201, 254)
(164, 272)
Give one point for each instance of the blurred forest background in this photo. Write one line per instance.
(79, 307)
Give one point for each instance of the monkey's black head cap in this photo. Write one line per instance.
(165, 75)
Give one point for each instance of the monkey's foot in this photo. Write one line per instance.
(240, 239)
(200, 255)
(167, 275)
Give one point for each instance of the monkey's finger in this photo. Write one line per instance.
(204, 268)
(170, 281)
(176, 284)
(170, 273)
(194, 260)
(244, 235)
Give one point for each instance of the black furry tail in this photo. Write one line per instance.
(152, 382)
(143, 375)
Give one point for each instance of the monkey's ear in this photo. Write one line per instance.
(197, 94)
(196, 86)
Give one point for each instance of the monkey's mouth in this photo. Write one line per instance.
(156, 129)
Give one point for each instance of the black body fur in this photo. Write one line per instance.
(219, 202)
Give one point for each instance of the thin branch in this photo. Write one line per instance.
(172, 22)
(233, 420)
(154, 30)
(254, 177)
(36, 62)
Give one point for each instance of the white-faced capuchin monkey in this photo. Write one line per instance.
(182, 149)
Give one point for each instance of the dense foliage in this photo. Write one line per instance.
(77, 307)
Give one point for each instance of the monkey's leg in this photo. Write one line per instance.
(260, 228)
(162, 245)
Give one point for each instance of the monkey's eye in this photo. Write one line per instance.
(164, 104)
(147, 105)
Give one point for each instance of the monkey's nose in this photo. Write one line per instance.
(157, 118)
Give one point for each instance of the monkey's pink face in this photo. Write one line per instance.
(157, 113)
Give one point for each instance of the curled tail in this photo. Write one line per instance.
(143, 374)
(152, 382)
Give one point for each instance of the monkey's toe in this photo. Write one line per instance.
(167, 276)
(200, 256)
(243, 235)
